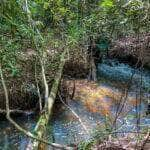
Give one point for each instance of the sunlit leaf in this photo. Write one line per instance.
(107, 3)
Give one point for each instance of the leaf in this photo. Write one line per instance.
(46, 5)
(107, 3)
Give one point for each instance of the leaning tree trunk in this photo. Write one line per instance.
(42, 123)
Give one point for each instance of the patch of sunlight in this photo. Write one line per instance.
(98, 99)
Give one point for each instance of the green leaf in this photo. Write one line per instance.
(107, 3)
(46, 4)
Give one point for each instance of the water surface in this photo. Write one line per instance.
(67, 129)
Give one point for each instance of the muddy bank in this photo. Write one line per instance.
(132, 49)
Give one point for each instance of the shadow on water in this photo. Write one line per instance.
(10, 138)
(93, 102)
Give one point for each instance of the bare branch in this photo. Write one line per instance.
(76, 115)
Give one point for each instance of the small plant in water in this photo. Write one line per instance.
(101, 133)
(86, 145)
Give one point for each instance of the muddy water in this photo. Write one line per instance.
(94, 103)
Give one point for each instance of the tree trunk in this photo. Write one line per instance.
(42, 123)
(92, 72)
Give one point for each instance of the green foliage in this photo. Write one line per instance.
(66, 22)
(8, 55)
(86, 145)
(102, 132)
(107, 3)
(74, 34)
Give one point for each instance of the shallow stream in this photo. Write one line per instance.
(66, 127)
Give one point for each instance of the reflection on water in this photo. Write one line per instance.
(10, 138)
(94, 103)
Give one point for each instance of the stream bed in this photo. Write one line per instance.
(67, 129)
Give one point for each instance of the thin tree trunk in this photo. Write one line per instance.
(42, 123)
(92, 72)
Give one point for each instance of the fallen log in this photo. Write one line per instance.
(42, 123)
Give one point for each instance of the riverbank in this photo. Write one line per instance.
(22, 81)
(134, 50)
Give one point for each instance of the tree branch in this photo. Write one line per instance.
(76, 115)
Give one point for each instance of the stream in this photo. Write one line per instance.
(66, 128)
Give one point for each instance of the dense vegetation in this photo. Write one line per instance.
(36, 36)
(26, 24)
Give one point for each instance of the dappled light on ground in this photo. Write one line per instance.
(99, 98)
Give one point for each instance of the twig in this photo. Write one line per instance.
(123, 100)
(76, 115)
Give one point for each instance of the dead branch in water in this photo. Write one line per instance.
(75, 114)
